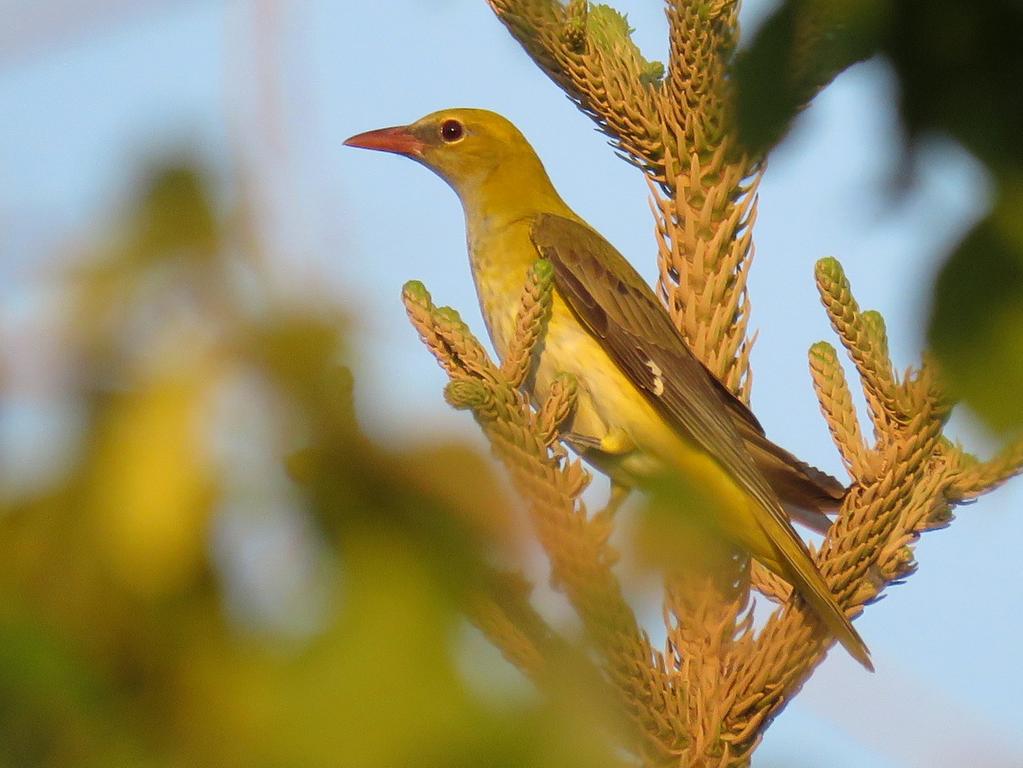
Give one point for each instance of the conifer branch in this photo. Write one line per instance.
(502, 611)
(531, 322)
(904, 492)
(587, 51)
(980, 477)
(697, 104)
(576, 543)
(771, 586)
(703, 255)
(837, 406)
(864, 340)
(706, 612)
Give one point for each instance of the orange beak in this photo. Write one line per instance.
(398, 140)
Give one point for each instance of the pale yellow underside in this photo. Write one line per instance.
(635, 441)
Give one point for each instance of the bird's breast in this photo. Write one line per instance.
(610, 411)
(500, 265)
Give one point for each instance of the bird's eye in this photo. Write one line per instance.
(451, 130)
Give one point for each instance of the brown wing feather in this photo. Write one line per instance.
(614, 303)
(805, 491)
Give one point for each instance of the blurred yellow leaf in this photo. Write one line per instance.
(152, 490)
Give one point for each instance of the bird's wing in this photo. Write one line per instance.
(806, 492)
(740, 411)
(614, 303)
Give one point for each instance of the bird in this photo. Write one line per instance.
(646, 405)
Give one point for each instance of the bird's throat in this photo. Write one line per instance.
(514, 189)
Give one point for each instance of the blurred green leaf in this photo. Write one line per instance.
(959, 67)
(175, 213)
(976, 325)
(798, 51)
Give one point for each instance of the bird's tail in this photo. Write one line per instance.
(806, 492)
(813, 589)
(793, 563)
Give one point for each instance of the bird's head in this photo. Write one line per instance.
(463, 146)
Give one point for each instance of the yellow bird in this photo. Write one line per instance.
(646, 405)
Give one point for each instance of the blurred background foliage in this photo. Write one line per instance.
(170, 596)
(958, 67)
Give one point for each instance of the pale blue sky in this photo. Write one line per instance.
(80, 113)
